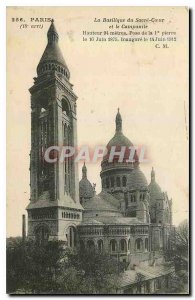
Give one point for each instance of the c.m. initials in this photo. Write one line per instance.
(164, 46)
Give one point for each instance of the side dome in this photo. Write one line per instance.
(86, 190)
(101, 205)
(98, 203)
(154, 188)
(137, 179)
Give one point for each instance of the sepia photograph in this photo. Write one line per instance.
(97, 150)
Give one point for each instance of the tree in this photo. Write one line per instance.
(179, 241)
(32, 267)
(182, 238)
(178, 254)
(100, 271)
(52, 269)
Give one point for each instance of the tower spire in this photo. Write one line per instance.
(52, 59)
(84, 171)
(118, 122)
(52, 34)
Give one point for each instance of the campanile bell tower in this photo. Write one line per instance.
(54, 209)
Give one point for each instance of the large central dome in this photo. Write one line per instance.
(118, 141)
(119, 162)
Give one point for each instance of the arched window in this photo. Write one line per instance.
(100, 246)
(91, 245)
(118, 181)
(146, 244)
(107, 183)
(42, 235)
(132, 214)
(139, 244)
(113, 246)
(129, 245)
(112, 181)
(71, 236)
(65, 107)
(123, 245)
(124, 180)
(82, 245)
(103, 183)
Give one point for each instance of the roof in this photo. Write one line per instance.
(44, 202)
(119, 140)
(52, 51)
(91, 222)
(109, 198)
(102, 202)
(143, 273)
(119, 220)
(155, 271)
(111, 220)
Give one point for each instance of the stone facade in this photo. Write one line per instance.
(129, 219)
(54, 204)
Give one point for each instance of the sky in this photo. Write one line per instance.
(149, 85)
